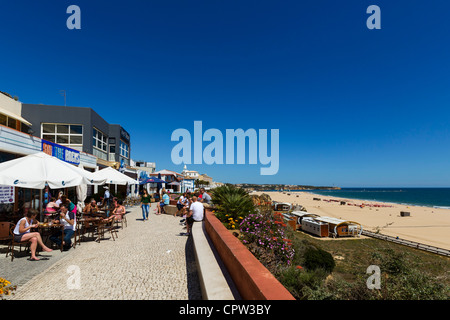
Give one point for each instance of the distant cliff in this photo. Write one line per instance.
(282, 187)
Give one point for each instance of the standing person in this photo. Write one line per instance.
(47, 197)
(107, 200)
(145, 204)
(67, 219)
(195, 215)
(22, 233)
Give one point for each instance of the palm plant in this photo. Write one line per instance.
(232, 204)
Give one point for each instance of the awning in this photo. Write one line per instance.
(14, 116)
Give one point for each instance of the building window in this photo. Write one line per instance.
(3, 119)
(70, 135)
(100, 144)
(12, 123)
(124, 150)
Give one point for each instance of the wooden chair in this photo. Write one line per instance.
(122, 221)
(77, 235)
(13, 243)
(87, 228)
(105, 226)
(5, 234)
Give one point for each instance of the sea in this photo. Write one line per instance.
(427, 197)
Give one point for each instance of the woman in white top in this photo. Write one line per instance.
(22, 233)
(180, 204)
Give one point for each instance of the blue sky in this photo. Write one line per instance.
(355, 107)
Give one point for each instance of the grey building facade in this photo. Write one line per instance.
(79, 128)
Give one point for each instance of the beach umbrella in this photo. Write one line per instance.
(36, 170)
(112, 176)
(152, 180)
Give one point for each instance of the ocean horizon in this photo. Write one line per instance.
(427, 197)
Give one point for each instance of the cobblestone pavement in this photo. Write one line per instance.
(148, 261)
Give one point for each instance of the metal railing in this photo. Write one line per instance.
(409, 243)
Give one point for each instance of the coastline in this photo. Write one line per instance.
(426, 225)
(381, 201)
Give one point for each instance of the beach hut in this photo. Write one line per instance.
(342, 228)
(300, 215)
(281, 206)
(318, 228)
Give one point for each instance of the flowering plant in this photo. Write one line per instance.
(232, 204)
(6, 288)
(268, 233)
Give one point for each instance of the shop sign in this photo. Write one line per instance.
(62, 153)
(6, 194)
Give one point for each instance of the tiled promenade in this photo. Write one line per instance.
(149, 260)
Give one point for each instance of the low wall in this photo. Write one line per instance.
(212, 280)
(252, 279)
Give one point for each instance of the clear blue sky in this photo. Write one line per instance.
(355, 107)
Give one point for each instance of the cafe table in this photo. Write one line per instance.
(46, 228)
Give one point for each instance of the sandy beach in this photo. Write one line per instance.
(425, 225)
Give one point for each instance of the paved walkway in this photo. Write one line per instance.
(149, 260)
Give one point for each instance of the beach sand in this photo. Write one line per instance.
(425, 225)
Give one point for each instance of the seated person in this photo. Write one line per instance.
(22, 233)
(187, 204)
(67, 219)
(205, 198)
(180, 204)
(52, 208)
(195, 214)
(91, 208)
(118, 212)
(164, 202)
(69, 204)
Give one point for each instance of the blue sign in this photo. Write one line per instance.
(62, 153)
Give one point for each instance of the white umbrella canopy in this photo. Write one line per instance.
(113, 176)
(36, 170)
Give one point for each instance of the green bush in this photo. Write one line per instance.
(318, 259)
(305, 284)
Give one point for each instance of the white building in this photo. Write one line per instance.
(192, 174)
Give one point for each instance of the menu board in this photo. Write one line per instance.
(6, 194)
